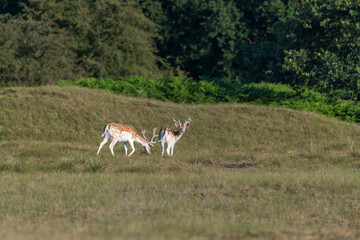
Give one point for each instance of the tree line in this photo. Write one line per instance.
(304, 43)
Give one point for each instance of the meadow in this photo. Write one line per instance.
(240, 171)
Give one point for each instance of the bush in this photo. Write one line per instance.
(205, 90)
(173, 89)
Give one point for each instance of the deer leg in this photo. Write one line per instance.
(125, 146)
(168, 149)
(112, 144)
(102, 144)
(132, 146)
(162, 148)
(172, 149)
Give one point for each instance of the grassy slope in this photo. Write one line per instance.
(301, 182)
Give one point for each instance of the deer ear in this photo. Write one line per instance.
(188, 124)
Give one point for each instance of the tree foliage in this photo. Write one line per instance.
(113, 38)
(268, 23)
(220, 38)
(325, 53)
(34, 53)
(198, 36)
(313, 43)
(12, 7)
(105, 38)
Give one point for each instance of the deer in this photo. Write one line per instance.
(126, 134)
(169, 137)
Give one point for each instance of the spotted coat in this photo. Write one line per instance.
(125, 134)
(169, 137)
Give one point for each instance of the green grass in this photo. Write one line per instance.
(179, 206)
(239, 171)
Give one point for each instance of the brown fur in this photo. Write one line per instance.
(116, 129)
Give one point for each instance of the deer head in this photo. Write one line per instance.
(182, 127)
(150, 143)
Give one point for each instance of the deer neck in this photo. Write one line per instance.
(178, 135)
(141, 140)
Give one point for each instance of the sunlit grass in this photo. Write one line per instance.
(238, 171)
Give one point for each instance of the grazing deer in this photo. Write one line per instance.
(125, 133)
(169, 137)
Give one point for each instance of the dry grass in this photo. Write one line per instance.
(239, 171)
(216, 204)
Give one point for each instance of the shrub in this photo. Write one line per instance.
(94, 165)
(207, 90)
(173, 89)
(12, 163)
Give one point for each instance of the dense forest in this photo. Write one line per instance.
(303, 43)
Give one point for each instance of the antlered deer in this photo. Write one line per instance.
(169, 137)
(125, 133)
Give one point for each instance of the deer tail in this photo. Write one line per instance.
(106, 129)
(161, 133)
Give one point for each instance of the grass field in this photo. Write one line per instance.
(239, 171)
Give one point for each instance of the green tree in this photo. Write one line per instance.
(35, 53)
(326, 44)
(267, 22)
(113, 38)
(198, 36)
(12, 7)
(233, 40)
(260, 15)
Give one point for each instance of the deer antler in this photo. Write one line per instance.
(176, 121)
(153, 142)
(143, 133)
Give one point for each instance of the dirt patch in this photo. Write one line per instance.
(8, 91)
(149, 104)
(244, 162)
(235, 165)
